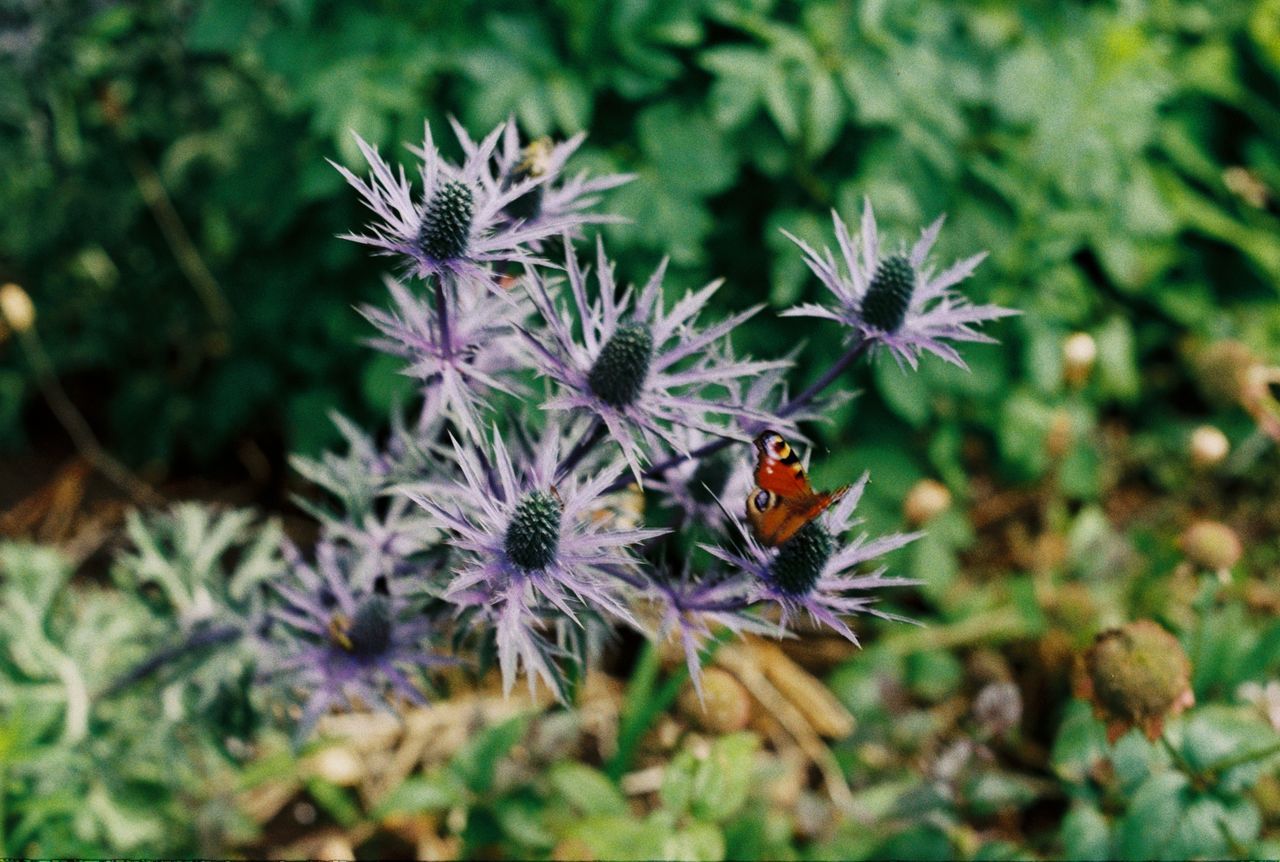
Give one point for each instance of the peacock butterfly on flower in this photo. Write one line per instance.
(783, 501)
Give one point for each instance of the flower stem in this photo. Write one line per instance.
(77, 427)
(813, 391)
(442, 312)
(216, 636)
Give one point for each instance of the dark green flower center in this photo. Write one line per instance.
(620, 371)
(889, 295)
(446, 224)
(801, 559)
(526, 207)
(533, 537)
(368, 632)
(710, 477)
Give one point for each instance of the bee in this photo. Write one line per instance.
(340, 631)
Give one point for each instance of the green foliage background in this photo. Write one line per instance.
(1083, 144)
(1096, 149)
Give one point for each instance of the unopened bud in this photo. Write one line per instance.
(926, 500)
(1209, 446)
(16, 308)
(1211, 545)
(1079, 352)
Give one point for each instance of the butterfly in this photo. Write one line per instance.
(783, 501)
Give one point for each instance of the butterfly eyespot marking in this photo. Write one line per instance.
(761, 501)
(783, 501)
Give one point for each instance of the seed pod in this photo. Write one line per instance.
(926, 500)
(16, 308)
(1211, 545)
(1135, 676)
(1079, 353)
(1209, 446)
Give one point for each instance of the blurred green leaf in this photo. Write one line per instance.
(1085, 833)
(434, 792)
(587, 789)
(476, 762)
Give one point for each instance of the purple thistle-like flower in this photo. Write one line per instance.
(456, 226)
(692, 608)
(639, 369)
(341, 637)
(695, 486)
(463, 348)
(896, 301)
(811, 572)
(531, 546)
(560, 202)
(385, 528)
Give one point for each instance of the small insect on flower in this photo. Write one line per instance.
(782, 501)
(640, 370)
(811, 570)
(343, 639)
(694, 486)
(557, 201)
(530, 543)
(896, 301)
(457, 226)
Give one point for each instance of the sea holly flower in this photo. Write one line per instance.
(640, 370)
(693, 608)
(896, 301)
(384, 527)
(694, 486)
(559, 201)
(531, 544)
(813, 571)
(456, 226)
(369, 471)
(341, 637)
(462, 348)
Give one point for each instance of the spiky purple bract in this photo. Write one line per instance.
(896, 302)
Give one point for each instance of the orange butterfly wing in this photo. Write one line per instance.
(783, 501)
(778, 468)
